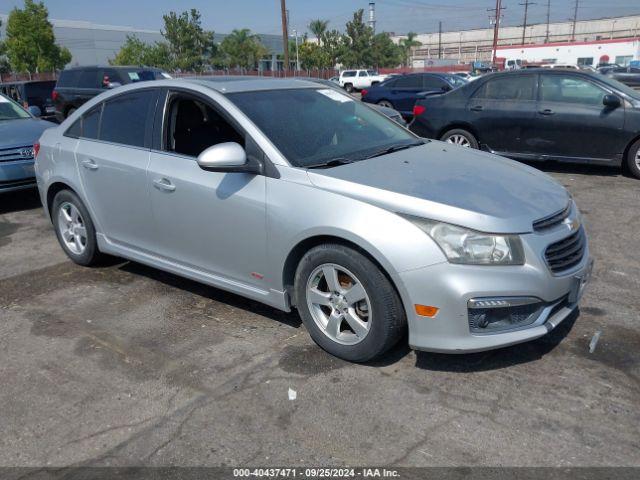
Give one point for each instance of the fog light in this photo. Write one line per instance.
(499, 314)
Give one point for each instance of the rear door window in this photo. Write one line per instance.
(409, 81)
(433, 83)
(88, 78)
(68, 78)
(127, 119)
(520, 87)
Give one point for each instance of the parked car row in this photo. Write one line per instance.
(539, 115)
(32, 93)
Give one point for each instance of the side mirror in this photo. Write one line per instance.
(611, 101)
(227, 157)
(35, 110)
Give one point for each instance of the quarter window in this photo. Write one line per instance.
(568, 89)
(516, 87)
(91, 123)
(126, 119)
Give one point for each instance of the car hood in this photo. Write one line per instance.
(21, 132)
(452, 184)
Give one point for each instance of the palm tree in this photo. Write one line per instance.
(318, 28)
(408, 43)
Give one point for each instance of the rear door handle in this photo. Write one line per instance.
(546, 111)
(89, 164)
(164, 184)
(477, 108)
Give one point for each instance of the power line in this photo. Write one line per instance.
(524, 22)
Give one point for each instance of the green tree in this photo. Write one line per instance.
(407, 44)
(4, 61)
(333, 46)
(385, 53)
(313, 56)
(242, 49)
(30, 45)
(190, 46)
(319, 28)
(136, 52)
(358, 40)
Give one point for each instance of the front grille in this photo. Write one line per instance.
(16, 153)
(552, 220)
(567, 253)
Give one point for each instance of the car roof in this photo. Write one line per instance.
(234, 84)
(114, 67)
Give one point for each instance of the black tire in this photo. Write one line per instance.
(387, 313)
(633, 160)
(473, 142)
(386, 103)
(91, 255)
(348, 87)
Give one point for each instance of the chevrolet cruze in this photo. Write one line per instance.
(298, 196)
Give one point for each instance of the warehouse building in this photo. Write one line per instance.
(477, 45)
(94, 44)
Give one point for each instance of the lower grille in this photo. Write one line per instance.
(16, 153)
(567, 253)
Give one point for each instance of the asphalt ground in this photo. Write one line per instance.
(127, 365)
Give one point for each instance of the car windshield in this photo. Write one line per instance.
(9, 110)
(312, 127)
(635, 94)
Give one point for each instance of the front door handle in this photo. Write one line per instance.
(477, 108)
(89, 164)
(546, 111)
(164, 184)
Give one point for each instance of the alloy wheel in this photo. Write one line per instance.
(339, 304)
(637, 159)
(459, 140)
(72, 228)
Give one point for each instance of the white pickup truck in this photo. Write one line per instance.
(352, 80)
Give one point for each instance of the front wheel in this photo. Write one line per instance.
(349, 307)
(460, 137)
(385, 103)
(633, 159)
(74, 228)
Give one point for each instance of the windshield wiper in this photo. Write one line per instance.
(394, 148)
(334, 162)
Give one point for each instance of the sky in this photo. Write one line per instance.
(263, 16)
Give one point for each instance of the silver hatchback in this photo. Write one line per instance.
(296, 195)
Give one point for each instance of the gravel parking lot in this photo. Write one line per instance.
(127, 365)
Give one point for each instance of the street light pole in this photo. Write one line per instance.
(295, 32)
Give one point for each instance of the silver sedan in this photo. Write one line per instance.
(295, 195)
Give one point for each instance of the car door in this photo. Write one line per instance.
(113, 155)
(501, 111)
(213, 222)
(572, 122)
(404, 93)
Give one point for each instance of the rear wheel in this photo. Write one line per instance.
(348, 305)
(385, 103)
(633, 159)
(74, 229)
(348, 87)
(460, 137)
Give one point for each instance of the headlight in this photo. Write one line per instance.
(461, 245)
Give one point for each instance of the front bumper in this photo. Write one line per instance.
(450, 287)
(17, 175)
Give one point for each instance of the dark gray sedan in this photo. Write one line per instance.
(19, 131)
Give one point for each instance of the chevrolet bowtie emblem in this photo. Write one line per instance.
(572, 224)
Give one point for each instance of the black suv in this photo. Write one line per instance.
(32, 93)
(77, 85)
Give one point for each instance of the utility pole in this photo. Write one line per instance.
(496, 26)
(574, 20)
(439, 39)
(285, 34)
(524, 22)
(546, 38)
